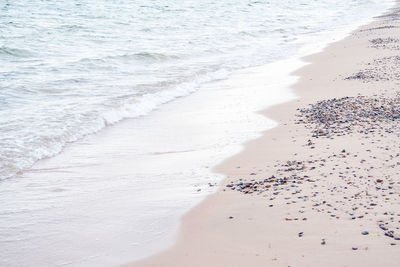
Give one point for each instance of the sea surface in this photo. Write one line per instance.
(129, 104)
(71, 68)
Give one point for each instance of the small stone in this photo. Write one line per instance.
(301, 234)
(323, 242)
(383, 227)
(365, 233)
(230, 217)
(389, 233)
(354, 248)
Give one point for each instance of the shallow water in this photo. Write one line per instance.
(117, 196)
(70, 68)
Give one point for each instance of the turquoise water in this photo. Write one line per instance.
(70, 68)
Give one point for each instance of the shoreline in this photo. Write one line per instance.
(238, 229)
(119, 195)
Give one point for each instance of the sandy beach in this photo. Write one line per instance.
(322, 188)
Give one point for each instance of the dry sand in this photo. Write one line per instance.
(323, 188)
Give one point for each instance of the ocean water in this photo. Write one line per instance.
(129, 104)
(71, 68)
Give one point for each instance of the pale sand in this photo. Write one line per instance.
(259, 235)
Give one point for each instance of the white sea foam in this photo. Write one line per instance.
(148, 102)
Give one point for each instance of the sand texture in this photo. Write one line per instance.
(322, 188)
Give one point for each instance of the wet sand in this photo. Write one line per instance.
(322, 188)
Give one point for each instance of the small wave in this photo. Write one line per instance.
(246, 33)
(149, 102)
(14, 52)
(47, 146)
(141, 57)
(153, 56)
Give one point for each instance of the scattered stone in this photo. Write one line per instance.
(342, 116)
(385, 43)
(358, 183)
(381, 69)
